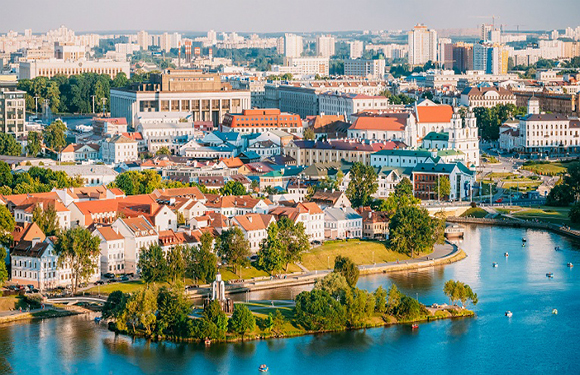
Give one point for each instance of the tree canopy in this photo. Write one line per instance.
(413, 231)
(233, 247)
(363, 184)
(9, 145)
(346, 267)
(153, 264)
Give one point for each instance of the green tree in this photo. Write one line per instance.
(234, 248)
(46, 219)
(202, 262)
(79, 249)
(163, 151)
(9, 145)
(293, 239)
(443, 187)
(309, 134)
(409, 308)
(458, 291)
(412, 231)
(233, 188)
(3, 270)
(363, 184)
(393, 299)
(276, 322)
(172, 311)
(213, 313)
(34, 144)
(242, 321)
(120, 80)
(54, 136)
(152, 264)
(346, 267)
(319, 311)
(360, 305)
(176, 263)
(6, 176)
(139, 312)
(402, 197)
(114, 305)
(560, 195)
(380, 300)
(129, 182)
(270, 255)
(574, 213)
(334, 284)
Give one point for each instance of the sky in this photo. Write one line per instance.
(283, 15)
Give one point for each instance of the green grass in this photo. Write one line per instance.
(247, 273)
(522, 185)
(361, 252)
(549, 169)
(125, 287)
(475, 212)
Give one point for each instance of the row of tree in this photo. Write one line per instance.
(35, 180)
(490, 119)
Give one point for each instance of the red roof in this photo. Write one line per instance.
(395, 123)
(434, 114)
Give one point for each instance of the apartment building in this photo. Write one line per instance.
(119, 149)
(373, 69)
(53, 67)
(262, 120)
(347, 104)
(12, 109)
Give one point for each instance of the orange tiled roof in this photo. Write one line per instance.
(109, 234)
(434, 114)
(251, 222)
(394, 123)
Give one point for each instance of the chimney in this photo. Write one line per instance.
(35, 241)
(250, 219)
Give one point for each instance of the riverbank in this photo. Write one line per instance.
(37, 314)
(516, 223)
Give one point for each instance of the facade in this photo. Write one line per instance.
(183, 94)
(138, 233)
(53, 67)
(486, 97)
(490, 58)
(262, 120)
(112, 250)
(374, 69)
(422, 45)
(347, 104)
(254, 227)
(304, 66)
(566, 104)
(342, 223)
(77, 153)
(12, 110)
(109, 126)
(426, 176)
(293, 45)
(118, 149)
(325, 45)
(356, 49)
(401, 158)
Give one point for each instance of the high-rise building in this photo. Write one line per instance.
(212, 37)
(484, 31)
(12, 109)
(325, 46)
(445, 53)
(488, 33)
(490, 57)
(165, 42)
(462, 56)
(356, 49)
(365, 68)
(143, 40)
(292, 45)
(422, 45)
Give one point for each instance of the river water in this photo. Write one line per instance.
(533, 341)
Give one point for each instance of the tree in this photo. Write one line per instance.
(309, 134)
(202, 262)
(3, 270)
(458, 291)
(276, 322)
(7, 225)
(270, 255)
(46, 219)
(443, 187)
(78, 249)
(120, 80)
(574, 213)
(139, 312)
(6, 176)
(234, 248)
(348, 269)
(213, 313)
(380, 300)
(319, 311)
(163, 151)
(363, 184)
(152, 264)
(393, 299)
(334, 284)
(54, 136)
(9, 145)
(129, 182)
(172, 311)
(560, 195)
(412, 231)
(360, 305)
(233, 188)
(242, 320)
(34, 144)
(293, 239)
(176, 263)
(402, 197)
(114, 305)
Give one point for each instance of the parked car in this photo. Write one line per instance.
(112, 281)
(109, 275)
(99, 282)
(125, 278)
(499, 200)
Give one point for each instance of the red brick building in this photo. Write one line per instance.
(261, 120)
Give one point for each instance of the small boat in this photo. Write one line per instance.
(524, 240)
(570, 265)
(207, 342)
(494, 264)
(557, 248)
(550, 275)
(506, 255)
(524, 244)
(263, 368)
(555, 312)
(509, 314)
(415, 326)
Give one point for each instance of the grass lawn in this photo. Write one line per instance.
(247, 273)
(361, 252)
(522, 185)
(475, 212)
(550, 169)
(125, 287)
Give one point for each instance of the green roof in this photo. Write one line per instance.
(434, 136)
(288, 171)
(449, 152)
(419, 153)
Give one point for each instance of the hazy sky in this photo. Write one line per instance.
(277, 15)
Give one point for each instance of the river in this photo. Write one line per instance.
(533, 341)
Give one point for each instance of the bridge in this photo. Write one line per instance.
(74, 300)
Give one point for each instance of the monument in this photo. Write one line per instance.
(218, 292)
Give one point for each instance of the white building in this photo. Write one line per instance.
(422, 45)
(346, 104)
(492, 58)
(374, 69)
(488, 97)
(342, 223)
(53, 67)
(293, 45)
(356, 49)
(304, 66)
(112, 250)
(119, 149)
(254, 227)
(139, 234)
(325, 45)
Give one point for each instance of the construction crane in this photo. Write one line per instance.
(493, 18)
(518, 27)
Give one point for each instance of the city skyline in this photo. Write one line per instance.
(109, 15)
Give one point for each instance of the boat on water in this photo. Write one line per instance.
(207, 342)
(550, 275)
(570, 265)
(557, 248)
(454, 231)
(494, 264)
(555, 311)
(509, 314)
(506, 255)
(263, 368)
(524, 240)
(415, 326)
(524, 244)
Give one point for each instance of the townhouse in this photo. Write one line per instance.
(139, 234)
(255, 228)
(342, 223)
